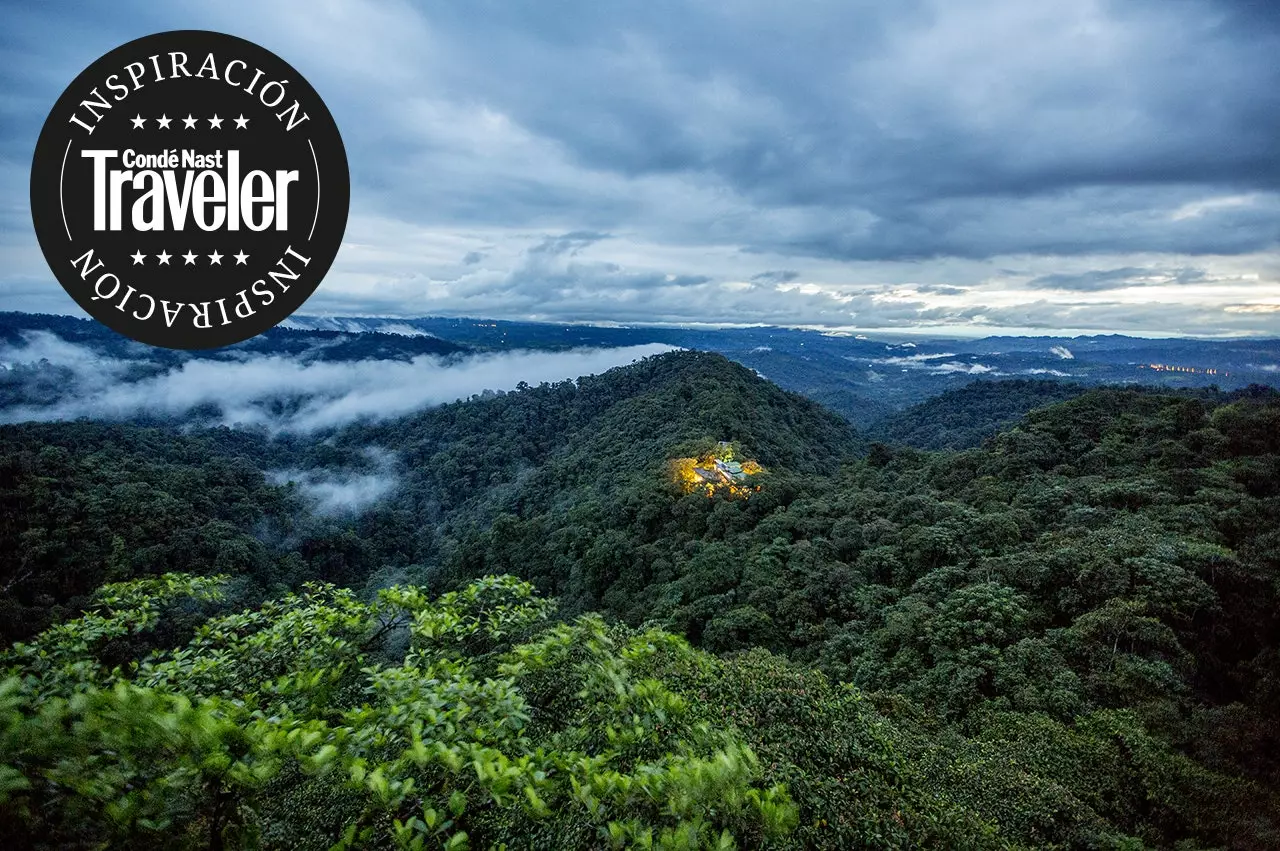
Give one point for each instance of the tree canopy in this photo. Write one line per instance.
(1067, 636)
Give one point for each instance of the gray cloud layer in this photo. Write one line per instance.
(980, 163)
(285, 394)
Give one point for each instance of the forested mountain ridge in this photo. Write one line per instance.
(90, 502)
(623, 425)
(961, 419)
(1067, 637)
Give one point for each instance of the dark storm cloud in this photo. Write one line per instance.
(589, 160)
(926, 119)
(921, 119)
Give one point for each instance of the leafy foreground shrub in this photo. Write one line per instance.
(470, 721)
(321, 721)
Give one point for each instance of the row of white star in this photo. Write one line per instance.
(214, 258)
(189, 122)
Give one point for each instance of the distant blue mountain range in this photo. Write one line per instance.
(864, 379)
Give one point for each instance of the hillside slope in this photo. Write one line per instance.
(1070, 632)
(961, 419)
(1104, 571)
(91, 502)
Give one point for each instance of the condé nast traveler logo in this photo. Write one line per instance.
(190, 189)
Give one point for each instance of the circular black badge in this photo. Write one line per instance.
(190, 189)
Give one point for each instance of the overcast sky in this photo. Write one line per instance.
(974, 165)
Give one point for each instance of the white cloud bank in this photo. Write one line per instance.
(285, 394)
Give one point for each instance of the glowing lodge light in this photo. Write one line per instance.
(716, 472)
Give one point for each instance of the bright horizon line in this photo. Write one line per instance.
(932, 331)
(936, 332)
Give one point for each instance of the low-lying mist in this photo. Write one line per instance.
(342, 492)
(282, 393)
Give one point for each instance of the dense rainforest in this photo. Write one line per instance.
(1066, 634)
(964, 418)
